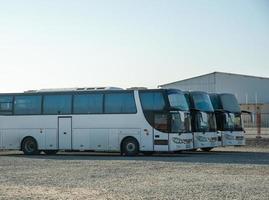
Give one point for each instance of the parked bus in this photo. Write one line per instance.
(203, 121)
(228, 117)
(89, 119)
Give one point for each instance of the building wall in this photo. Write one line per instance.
(202, 83)
(248, 90)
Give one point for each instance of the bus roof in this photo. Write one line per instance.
(84, 90)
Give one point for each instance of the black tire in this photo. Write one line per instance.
(207, 149)
(130, 147)
(148, 153)
(29, 146)
(50, 152)
(192, 150)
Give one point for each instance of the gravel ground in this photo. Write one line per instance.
(226, 173)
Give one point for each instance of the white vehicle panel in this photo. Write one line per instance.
(65, 133)
(1, 140)
(81, 139)
(113, 140)
(51, 140)
(235, 138)
(12, 138)
(205, 140)
(160, 137)
(178, 142)
(99, 139)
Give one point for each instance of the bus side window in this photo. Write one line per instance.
(6, 105)
(27, 105)
(152, 101)
(57, 104)
(119, 103)
(88, 104)
(161, 122)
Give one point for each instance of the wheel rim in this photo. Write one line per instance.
(30, 146)
(130, 147)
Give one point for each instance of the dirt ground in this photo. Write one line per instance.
(225, 173)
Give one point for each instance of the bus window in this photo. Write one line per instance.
(161, 122)
(27, 105)
(120, 103)
(57, 104)
(88, 103)
(6, 105)
(152, 101)
(178, 101)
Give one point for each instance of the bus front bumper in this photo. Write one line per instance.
(179, 142)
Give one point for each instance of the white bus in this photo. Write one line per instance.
(203, 121)
(229, 121)
(109, 120)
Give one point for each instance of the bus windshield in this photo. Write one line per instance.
(178, 101)
(232, 122)
(230, 103)
(180, 122)
(202, 102)
(205, 122)
(215, 100)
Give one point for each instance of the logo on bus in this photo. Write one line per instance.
(229, 137)
(181, 141)
(213, 139)
(202, 138)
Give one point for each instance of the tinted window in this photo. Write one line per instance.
(88, 103)
(202, 102)
(57, 104)
(152, 100)
(27, 105)
(6, 104)
(120, 103)
(178, 101)
(187, 96)
(215, 100)
(230, 103)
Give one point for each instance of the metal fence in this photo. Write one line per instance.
(258, 127)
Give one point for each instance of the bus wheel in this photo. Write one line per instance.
(130, 147)
(29, 146)
(193, 150)
(148, 153)
(207, 149)
(50, 152)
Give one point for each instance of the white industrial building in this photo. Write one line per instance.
(252, 93)
(248, 89)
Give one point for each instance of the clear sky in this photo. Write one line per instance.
(75, 43)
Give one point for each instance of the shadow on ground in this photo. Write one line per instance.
(214, 157)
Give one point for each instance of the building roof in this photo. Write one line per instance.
(214, 73)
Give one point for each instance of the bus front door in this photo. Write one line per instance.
(65, 133)
(161, 139)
